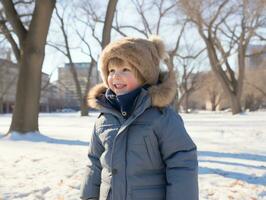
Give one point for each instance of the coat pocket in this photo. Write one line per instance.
(155, 192)
(152, 148)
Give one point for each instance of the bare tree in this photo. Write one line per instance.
(189, 62)
(187, 85)
(65, 49)
(227, 28)
(152, 17)
(97, 18)
(94, 18)
(106, 33)
(254, 95)
(28, 48)
(212, 90)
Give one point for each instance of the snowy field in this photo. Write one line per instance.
(232, 156)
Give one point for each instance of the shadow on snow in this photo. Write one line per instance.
(38, 137)
(252, 179)
(245, 156)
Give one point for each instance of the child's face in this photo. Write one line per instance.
(121, 79)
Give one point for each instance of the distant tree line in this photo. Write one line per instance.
(198, 34)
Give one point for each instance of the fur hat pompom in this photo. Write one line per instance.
(159, 45)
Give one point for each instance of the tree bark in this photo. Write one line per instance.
(235, 104)
(229, 87)
(84, 107)
(186, 103)
(106, 36)
(32, 47)
(1, 106)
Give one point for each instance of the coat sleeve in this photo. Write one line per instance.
(179, 154)
(92, 179)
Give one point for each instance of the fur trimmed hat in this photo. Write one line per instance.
(143, 54)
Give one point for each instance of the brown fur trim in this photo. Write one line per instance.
(158, 43)
(163, 94)
(95, 92)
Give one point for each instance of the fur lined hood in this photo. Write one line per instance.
(161, 94)
(145, 55)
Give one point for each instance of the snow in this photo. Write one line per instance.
(50, 165)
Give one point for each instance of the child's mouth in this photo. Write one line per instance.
(119, 86)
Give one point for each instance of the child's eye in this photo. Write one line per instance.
(111, 70)
(126, 69)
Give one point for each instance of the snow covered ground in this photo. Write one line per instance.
(232, 156)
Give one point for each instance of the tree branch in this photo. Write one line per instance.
(14, 19)
(106, 36)
(10, 39)
(57, 48)
(191, 56)
(257, 88)
(141, 12)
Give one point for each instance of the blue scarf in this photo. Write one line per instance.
(123, 103)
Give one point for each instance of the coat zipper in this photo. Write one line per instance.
(112, 153)
(126, 165)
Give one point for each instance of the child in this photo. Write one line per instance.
(139, 149)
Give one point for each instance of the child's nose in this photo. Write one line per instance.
(117, 74)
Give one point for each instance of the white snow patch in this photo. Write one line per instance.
(50, 164)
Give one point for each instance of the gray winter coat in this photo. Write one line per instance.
(149, 156)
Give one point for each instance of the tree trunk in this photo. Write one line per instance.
(1, 106)
(25, 115)
(106, 34)
(227, 86)
(214, 99)
(235, 104)
(84, 108)
(214, 105)
(186, 103)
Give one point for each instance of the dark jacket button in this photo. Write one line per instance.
(124, 113)
(114, 171)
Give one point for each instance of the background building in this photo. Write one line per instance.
(66, 84)
(8, 81)
(8, 84)
(54, 96)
